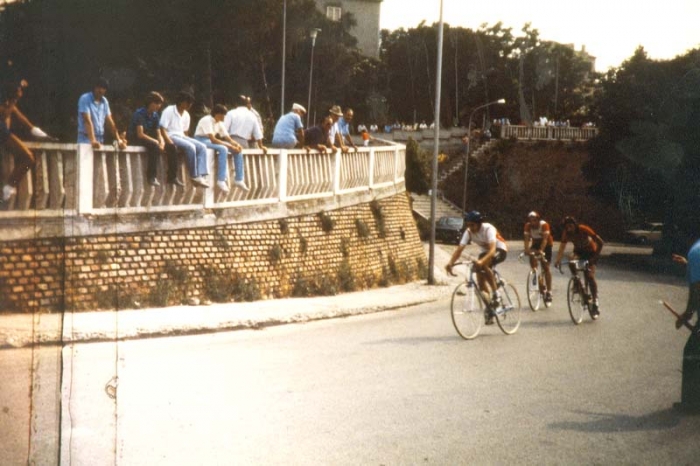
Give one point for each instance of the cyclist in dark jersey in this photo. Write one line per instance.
(587, 246)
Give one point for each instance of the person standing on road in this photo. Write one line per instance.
(587, 246)
(693, 275)
(493, 251)
(538, 240)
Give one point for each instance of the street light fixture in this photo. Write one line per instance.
(469, 139)
(312, 33)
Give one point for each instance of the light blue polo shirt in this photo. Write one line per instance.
(286, 128)
(98, 113)
(343, 126)
(694, 263)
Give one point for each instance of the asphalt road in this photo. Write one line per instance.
(397, 387)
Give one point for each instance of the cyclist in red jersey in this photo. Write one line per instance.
(587, 246)
(537, 236)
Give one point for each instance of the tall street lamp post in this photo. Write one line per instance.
(313, 33)
(436, 142)
(284, 52)
(469, 139)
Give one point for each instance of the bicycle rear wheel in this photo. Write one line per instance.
(467, 311)
(534, 297)
(508, 316)
(577, 305)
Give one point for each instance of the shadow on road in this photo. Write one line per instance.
(601, 422)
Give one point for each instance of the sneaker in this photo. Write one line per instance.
(223, 186)
(177, 182)
(548, 297)
(496, 302)
(488, 318)
(200, 181)
(241, 185)
(154, 182)
(8, 191)
(595, 310)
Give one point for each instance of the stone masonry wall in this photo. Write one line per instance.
(363, 246)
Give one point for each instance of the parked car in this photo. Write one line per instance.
(648, 233)
(449, 229)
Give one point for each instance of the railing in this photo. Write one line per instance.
(75, 180)
(548, 132)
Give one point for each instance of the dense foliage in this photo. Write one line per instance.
(647, 158)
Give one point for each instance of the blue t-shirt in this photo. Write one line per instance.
(286, 128)
(98, 112)
(149, 121)
(343, 126)
(694, 263)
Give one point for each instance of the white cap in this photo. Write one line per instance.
(533, 214)
(298, 107)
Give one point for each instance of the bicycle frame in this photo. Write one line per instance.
(535, 281)
(578, 291)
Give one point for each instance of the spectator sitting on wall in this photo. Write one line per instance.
(318, 137)
(289, 130)
(144, 131)
(211, 132)
(243, 125)
(93, 113)
(174, 125)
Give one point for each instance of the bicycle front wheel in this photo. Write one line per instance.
(534, 297)
(577, 304)
(467, 311)
(508, 316)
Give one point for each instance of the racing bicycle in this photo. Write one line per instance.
(536, 285)
(578, 291)
(471, 307)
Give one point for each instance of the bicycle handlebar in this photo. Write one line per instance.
(536, 255)
(581, 265)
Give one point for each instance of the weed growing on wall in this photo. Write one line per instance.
(345, 246)
(362, 228)
(346, 278)
(284, 226)
(379, 220)
(217, 284)
(245, 289)
(327, 223)
(275, 254)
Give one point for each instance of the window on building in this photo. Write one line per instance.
(333, 13)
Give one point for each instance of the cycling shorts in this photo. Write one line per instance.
(547, 250)
(498, 257)
(585, 254)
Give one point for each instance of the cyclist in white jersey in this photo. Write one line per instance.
(493, 251)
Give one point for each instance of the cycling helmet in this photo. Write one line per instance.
(569, 219)
(474, 217)
(533, 214)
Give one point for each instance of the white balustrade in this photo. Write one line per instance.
(74, 179)
(564, 133)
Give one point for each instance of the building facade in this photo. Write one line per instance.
(366, 13)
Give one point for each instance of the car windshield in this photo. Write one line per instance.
(454, 222)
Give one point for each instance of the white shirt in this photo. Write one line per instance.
(208, 125)
(174, 123)
(243, 123)
(483, 238)
(335, 129)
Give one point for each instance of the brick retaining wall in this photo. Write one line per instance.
(362, 246)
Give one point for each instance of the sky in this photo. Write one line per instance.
(610, 30)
